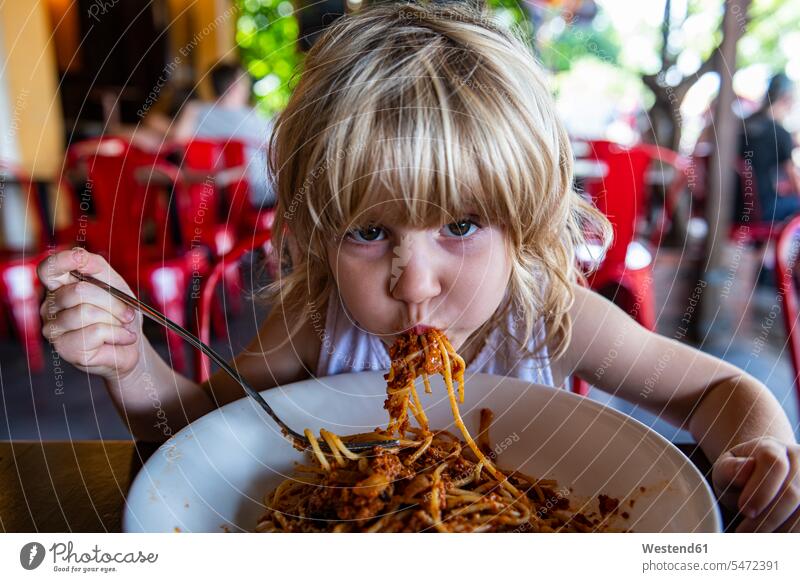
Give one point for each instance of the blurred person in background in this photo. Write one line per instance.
(766, 146)
(231, 116)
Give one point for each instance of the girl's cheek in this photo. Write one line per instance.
(484, 272)
(482, 247)
(480, 256)
(363, 271)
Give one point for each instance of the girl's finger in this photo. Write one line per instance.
(771, 519)
(83, 315)
(781, 509)
(777, 512)
(74, 294)
(89, 339)
(791, 525)
(95, 265)
(732, 473)
(53, 271)
(772, 467)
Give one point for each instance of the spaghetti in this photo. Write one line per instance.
(433, 481)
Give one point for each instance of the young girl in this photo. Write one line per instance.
(425, 180)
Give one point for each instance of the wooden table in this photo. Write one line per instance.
(57, 486)
(81, 486)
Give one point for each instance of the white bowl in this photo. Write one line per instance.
(213, 474)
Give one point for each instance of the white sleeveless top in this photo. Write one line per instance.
(347, 348)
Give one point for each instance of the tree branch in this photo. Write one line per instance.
(665, 26)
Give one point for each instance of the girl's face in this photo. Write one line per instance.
(393, 277)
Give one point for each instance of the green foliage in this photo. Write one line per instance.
(512, 15)
(266, 33)
(773, 34)
(577, 42)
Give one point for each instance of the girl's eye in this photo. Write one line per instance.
(368, 234)
(461, 229)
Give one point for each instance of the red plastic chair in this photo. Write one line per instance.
(20, 288)
(201, 162)
(786, 255)
(21, 295)
(130, 192)
(625, 271)
(205, 313)
(579, 386)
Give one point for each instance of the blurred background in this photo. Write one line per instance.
(138, 129)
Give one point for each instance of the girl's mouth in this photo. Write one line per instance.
(420, 329)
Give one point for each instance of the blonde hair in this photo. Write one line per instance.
(440, 107)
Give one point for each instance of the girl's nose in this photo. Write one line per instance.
(414, 278)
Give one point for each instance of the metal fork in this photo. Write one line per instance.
(357, 442)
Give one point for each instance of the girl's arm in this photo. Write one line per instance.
(156, 401)
(736, 420)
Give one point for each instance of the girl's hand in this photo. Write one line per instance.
(90, 328)
(761, 479)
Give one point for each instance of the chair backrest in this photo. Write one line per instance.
(80, 152)
(201, 204)
(620, 194)
(129, 191)
(238, 188)
(786, 255)
(260, 239)
(202, 154)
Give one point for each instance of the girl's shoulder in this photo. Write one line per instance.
(307, 342)
(289, 346)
